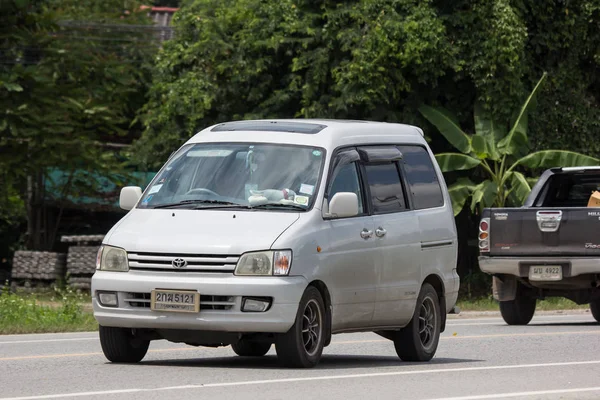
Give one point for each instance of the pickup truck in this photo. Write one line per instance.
(549, 247)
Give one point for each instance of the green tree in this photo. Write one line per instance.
(564, 39)
(500, 151)
(292, 58)
(376, 59)
(70, 87)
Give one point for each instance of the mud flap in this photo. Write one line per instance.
(504, 288)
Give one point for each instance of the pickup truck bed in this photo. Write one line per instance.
(548, 247)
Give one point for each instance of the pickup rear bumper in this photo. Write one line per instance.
(519, 266)
(580, 281)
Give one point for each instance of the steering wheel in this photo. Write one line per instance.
(202, 191)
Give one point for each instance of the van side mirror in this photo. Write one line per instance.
(343, 204)
(129, 197)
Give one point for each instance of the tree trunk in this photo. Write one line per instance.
(30, 225)
(34, 211)
(65, 192)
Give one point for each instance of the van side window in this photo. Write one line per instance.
(421, 177)
(384, 182)
(347, 180)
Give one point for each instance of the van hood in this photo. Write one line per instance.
(199, 231)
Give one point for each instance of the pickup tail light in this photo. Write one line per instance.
(484, 235)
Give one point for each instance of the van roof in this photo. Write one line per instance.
(327, 133)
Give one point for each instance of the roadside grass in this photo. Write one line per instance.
(62, 310)
(489, 304)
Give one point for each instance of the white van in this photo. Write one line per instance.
(284, 232)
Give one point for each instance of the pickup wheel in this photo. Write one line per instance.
(518, 311)
(119, 345)
(249, 348)
(595, 308)
(419, 340)
(302, 345)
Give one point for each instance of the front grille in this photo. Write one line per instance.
(193, 262)
(207, 302)
(138, 300)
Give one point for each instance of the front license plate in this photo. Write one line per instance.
(175, 300)
(545, 273)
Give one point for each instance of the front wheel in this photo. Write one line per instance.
(249, 348)
(520, 310)
(418, 341)
(119, 345)
(595, 308)
(302, 345)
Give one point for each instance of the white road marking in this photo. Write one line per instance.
(335, 342)
(306, 379)
(16, 335)
(532, 323)
(522, 394)
(48, 340)
(535, 318)
(96, 336)
(450, 323)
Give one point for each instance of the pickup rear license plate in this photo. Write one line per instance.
(175, 300)
(545, 273)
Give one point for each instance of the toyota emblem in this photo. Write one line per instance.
(179, 263)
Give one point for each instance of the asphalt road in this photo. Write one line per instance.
(555, 357)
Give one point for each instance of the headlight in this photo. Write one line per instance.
(265, 263)
(112, 259)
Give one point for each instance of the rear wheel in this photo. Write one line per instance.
(418, 341)
(249, 348)
(119, 345)
(595, 308)
(302, 345)
(520, 310)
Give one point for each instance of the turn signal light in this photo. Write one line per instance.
(484, 235)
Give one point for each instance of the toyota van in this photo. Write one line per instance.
(282, 232)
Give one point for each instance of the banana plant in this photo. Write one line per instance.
(500, 151)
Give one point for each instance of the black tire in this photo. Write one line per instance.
(595, 309)
(120, 346)
(520, 310)
(418, 341)
(302, 345)
(249, 348)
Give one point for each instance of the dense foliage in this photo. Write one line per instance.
(564, 39)
(70, 86)
(501, 151)
(376, 59)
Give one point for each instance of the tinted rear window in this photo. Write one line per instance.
(570, 190)
(421, 177)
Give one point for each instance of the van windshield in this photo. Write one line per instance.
(223, 175)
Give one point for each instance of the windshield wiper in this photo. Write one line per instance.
(280, 206)
(218, 203)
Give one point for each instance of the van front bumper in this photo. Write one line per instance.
(220, 304)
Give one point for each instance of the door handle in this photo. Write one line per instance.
(365, 234)
(380, 232)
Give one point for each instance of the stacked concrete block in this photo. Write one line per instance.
(81, 259)
(35, 269)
